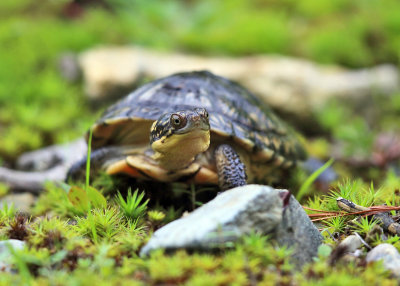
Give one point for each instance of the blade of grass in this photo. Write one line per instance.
(307, 183)
(88, 159)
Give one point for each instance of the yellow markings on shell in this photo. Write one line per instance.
(153, 126)
(265, 153)
(245, 143)
(287, 164)
(266, 140)
(276, 143)
(278, 160)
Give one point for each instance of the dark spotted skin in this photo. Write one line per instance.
(231, 171)
(236, 117)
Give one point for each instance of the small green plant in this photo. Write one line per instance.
(254, 243)
(155, 216)
(100, 224)
(348, 190)
(51, 233)
(316, 203)
(394, 240)
(89, 198)
(133, 207)
(105, 182)
(358, 192)
(84, 201)
(364, 225)
(7, 212)
(155, 219)
(171, 213)
(305, 187)
(192, 191)
(337, 223)
(55, 198)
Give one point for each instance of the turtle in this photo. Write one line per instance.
(193, 127)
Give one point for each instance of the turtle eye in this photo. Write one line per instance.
(177, 121)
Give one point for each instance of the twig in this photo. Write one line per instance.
(363, 241)
(369, 211)
(380, 214)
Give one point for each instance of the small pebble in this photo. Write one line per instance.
(5, 255)
(352, 242)
(388, 254)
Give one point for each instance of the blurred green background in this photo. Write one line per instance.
(38, 107)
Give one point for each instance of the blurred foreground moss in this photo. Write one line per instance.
(65, 247)
(72, 260)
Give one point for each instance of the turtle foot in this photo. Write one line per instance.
(231, 170)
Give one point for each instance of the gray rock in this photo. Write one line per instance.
(48, 157)
(5, 254)
(238, 212)
(47, 164)
(226, 218)
(22, 202)
(352, 243)
(31, 181)
(388, 254)
(298, 232)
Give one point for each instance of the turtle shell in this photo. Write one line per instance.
(236, 115)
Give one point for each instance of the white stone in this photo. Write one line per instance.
(352, 243)
(388, 254)
(22, 202)
(5, 254)
(230, 215)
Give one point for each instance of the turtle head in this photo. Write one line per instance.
(176, 138)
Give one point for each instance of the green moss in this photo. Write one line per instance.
(100, 224)
(54, 198)
(115, 262)
(132, 207)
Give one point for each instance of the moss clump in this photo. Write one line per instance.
(102, 246)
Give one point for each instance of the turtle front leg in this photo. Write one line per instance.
(231, 171)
